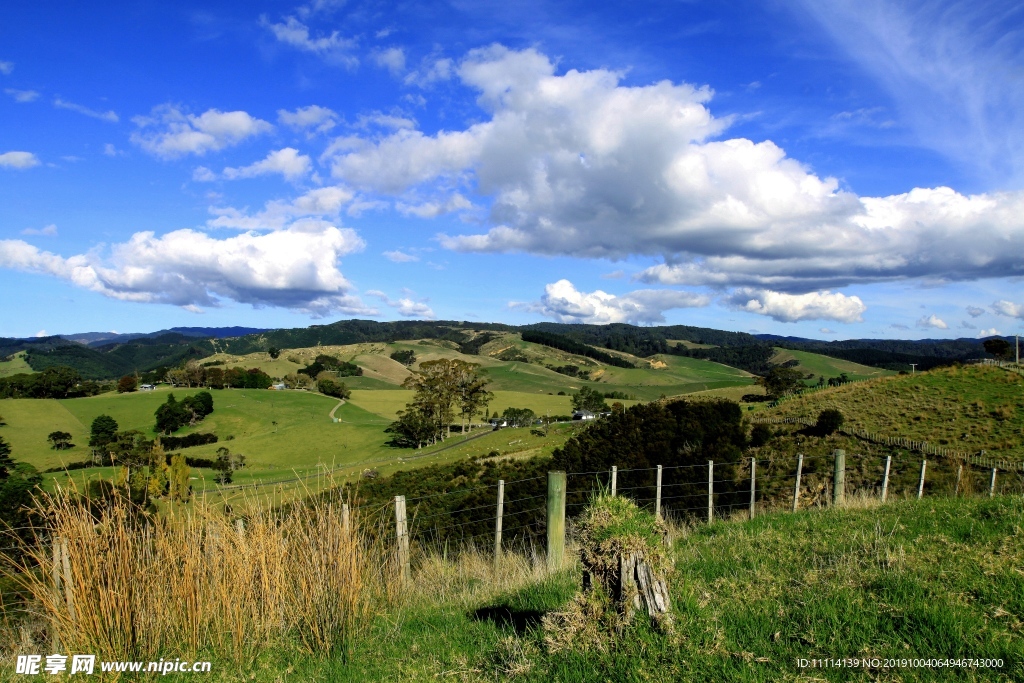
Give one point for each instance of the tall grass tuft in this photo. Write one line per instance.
(194, 580)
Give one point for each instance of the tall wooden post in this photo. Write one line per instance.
(68, 584)
(497, 525)
(556, 519)
(839, 477)
(711, 491)
(959, 478)
(615, 478)
(885, 479)
(657, 496)
(240, 527)
(346, 524)
(58, 552)
(796, 487)
(992, 484)
(753, 485)
(402, 537)
(920, 482)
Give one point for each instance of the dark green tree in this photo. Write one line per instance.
(829, 421)
(518, 417)
(171, 416)
(102, 432)
(6, 462)
(274, 352)
(1000, 348)
(406, 357)
(781, 380)
(60, 441)
(590, 400)
(127, 384)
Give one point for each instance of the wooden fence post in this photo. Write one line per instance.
(992, 484)
(711, 491)
(920, 483)
(497, 524)
(885, 479)
(839, 477)
(959, 478)
(657, 496)
(615, 477)
(796, 488)
(240, 527)
(753, 484)
(346, 524)
(402, 537)
(58, 554)
(68, 584)
(556, 519)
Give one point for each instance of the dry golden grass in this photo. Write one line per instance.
(195, 580)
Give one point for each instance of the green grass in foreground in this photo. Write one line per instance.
(936, 578)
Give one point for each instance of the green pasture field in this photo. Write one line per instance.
(969, 408)
(938, 578)
(825, 366)
(15, 366)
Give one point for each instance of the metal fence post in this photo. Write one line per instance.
(753, 485)
(711, 491)
(556, 519)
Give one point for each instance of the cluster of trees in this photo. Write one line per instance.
(174, 414)
(226, 464)
(406, 357)
(557, 341)
(754, 358)
(518, 417)
(590, 400)
(195, 374)
(1000, 348)
(56, 382)
(147, 470)
(127, 384)
(188, 441)
(330, 387)
(570, 370)
(445, 388)
(325, 363)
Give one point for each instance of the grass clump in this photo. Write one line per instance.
(623, 551)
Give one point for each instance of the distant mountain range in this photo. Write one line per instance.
(104, 355)
(103, 338)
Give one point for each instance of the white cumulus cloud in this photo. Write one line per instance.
(314, 118)
(790, 308)
(276, 214)
(1009, 309)
(392, 59)
(288, 162)
(990, 332)
(332, 48)
(294, 268)
(566, 304)
(170, 132)
(405, 306)
(47, 231)
(578, 164)
(974, 311)
(397, 256)
(932, 321)
(19, 160)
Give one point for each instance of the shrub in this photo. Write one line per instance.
(127, 384)
(760, 435)
(406, 357)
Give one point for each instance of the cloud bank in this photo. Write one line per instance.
(577, 164)
(294, 268)
(566, 304)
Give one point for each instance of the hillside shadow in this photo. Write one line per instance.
(521, 620)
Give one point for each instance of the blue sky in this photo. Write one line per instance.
(823, 169)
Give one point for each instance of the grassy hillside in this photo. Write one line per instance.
(933, 579)
(16, 364)
(969, 408)
(825, 366)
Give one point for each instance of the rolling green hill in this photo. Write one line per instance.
(969, 408)
(826, 366)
